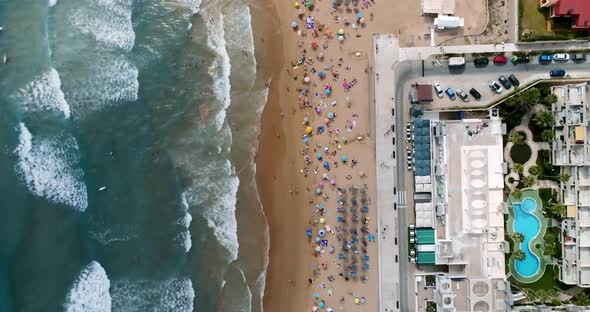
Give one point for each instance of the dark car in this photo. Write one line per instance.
(481, 61)
(500, 59)
(475, 94)
(505, 82)
(557, 73)
(514, 80)
(579, 57)
(545, 58)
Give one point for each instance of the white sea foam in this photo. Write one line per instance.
(50, 168)
(51, 2)
(108, 22)
(240, 39)
(184, 237)
(43, 93)
(90, 291)
(110, 79)
(216, 190)
(220, 68)
(175, 294)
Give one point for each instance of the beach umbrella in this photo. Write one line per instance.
(359, 15)
(306, 120)
(320, 206)
(316, 295)
(318, 249)
(319, 155)
(322, 304)
(343, 158)
(326, 164)
(321, 184)
(318, 191)
(307, 79)
(321, 233)
(330, 115)
(314, 309)
(328, 91)
(322, 220)
(314, 44)
(339, 146)
(321, 55)
(333, 182)
(341, 31)
(308, 130)
(326, 120)
(322, 75)
(329, 310)
(328, 86)
(294, 24)
(305, 139)
(340, 38)
(345, 84)
(363, 300)
(297, 4)
(309, 4)
(357, 300)
(362, 20)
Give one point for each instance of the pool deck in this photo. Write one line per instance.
(538, 239)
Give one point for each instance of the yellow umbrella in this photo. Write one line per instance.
(340, 31)
(322, 220)
(339, 146)
(297, 5)
(357, 300)
(308, 130)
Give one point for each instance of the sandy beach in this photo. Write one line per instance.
(299, 192)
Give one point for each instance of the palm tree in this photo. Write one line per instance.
(544, 119)
(525, 100)
(550, 99)
(564, 177)
(529, 181)
(518, 238)
(517, 193)
(516, 137)
(535, 170)
(519, 168)
(518, 255)
(557, 209)
(547, 135)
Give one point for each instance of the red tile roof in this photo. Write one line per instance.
(579, 9)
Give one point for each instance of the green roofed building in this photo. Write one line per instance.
(425, 236)
(426, 257)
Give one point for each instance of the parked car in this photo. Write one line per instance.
(450, 93)
(561, 57)
(475, 94)
(500, 59)
(438, 90)
(545, 58)
(579, 57)
(495, 86)
(520, 59)
(557, 73)
(505, 82)
(463, 95)
(514, 80)
(481, 61)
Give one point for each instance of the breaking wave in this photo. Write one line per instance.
(50, 168)
(184, 237)
(175, 294)
(44, 93)
(107, 21)
(90, 291)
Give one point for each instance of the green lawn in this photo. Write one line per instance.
(531, 17)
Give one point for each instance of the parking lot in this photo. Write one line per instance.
(470, 76)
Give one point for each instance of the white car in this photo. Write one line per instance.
(561, 57)
(495, 86)
(439, 90)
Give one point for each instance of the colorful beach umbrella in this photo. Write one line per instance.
(328, 91)
(326, 165)
(322, 220)
(321, 233)
(333, 182)
(322, 304)
(359, 15)
(319, 155)
(341, 31)
(297, 4)
(340, 38)
(357, 300)
(294, 24)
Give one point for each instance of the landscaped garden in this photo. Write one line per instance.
(534, 24)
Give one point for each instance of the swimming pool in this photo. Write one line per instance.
(528, 224)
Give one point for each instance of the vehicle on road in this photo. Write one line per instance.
(561, 57)
(557, 73)
(515, 59)
(495, 86)
(456, 61)
(500, 59)
(450, 93)
(463, 95)
(438, 90)
(481, 61)
(545, 58)
(579, 57)
(515, 82)
(475, 94)
(505, 82)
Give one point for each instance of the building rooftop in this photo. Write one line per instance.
(578, 9)
(438, 7)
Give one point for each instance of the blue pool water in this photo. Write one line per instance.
(527, 224)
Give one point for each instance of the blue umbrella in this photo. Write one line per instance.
(326, 165)
(322, 304)
(359, 15)
(343, 158)
(330, 115)
(319, 155)
(328, 91)
(322, 75)
(316, 295)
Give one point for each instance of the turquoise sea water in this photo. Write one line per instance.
(126, 165)
(527, 224)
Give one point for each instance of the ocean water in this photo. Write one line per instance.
(127, 135)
